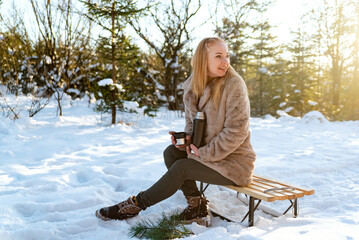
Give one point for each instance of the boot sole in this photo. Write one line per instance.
(100, 216)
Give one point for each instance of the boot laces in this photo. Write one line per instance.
(191, 204)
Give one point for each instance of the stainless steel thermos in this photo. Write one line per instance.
(199, 124)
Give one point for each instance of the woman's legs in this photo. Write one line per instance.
(171, 154)
(181, 174)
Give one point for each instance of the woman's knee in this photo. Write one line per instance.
(172, 154)
(168, 155)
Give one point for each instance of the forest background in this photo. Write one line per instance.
(115, 51)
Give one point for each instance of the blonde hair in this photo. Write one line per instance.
(200, 70)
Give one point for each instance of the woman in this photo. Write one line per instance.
(227, 158)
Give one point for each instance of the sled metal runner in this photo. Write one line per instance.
(269, 190)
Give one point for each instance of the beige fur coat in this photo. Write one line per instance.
(228, 149)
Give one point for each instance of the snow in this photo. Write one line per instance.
(119, 87)
(313, 103)
(288, 109)
(47, 60)
(315, 116)
(167, 61)
(132, 106)
(282, 104)
(109, 81)
(263, 70)
(105, 82)
(56, 171)
(11, 52)
(275, 97)
(73, 90)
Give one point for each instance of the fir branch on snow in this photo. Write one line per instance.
(169, 227)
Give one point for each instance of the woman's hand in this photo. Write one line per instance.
(194, 150)
(174, 141)
(172, 137)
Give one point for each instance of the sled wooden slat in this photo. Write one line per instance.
(280, 193)
(289, 191)
(252, 192)
(270, 190)
(306, 191)
(261, 184)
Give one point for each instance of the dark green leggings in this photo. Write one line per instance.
(182, 174)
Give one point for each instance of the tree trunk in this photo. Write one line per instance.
(336, 85)
(354, 109)
(261, 94)
(113, 48)
(59, 103)
(336, 51)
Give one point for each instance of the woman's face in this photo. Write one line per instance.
(218, 59)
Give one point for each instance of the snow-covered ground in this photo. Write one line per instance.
(56, 171)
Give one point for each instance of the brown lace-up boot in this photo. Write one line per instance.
(196, 211)
(123, 210)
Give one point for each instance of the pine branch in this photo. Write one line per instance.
(169, 227)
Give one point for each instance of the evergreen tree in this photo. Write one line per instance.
(15, 48)
(131, 86)
(320, 79)
(111, 16)
(301, 91)
(278, 97)
(236, 31)
(252, 49)
(263, 53)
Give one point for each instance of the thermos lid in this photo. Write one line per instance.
(200, 115)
